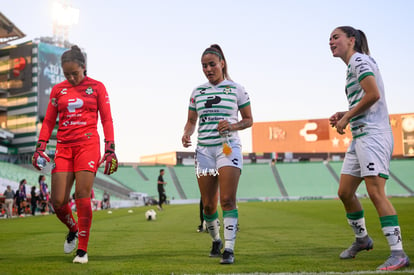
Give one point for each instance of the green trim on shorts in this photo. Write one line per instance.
(210, 218)
(355, 215)
(360, 135)
(231, 213)
(209, 145)
(385, 176)
(391, 220)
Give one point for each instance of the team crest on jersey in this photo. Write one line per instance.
(227, 90)
(54, 101)
(89, 91)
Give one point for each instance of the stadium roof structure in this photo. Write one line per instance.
(8, 31)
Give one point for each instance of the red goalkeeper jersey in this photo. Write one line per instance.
(78, 107)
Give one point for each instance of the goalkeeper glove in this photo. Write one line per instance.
(111, 162)
(40, 153)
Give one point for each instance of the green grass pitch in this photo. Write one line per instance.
(275, 237)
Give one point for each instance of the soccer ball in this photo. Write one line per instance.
(150, 215)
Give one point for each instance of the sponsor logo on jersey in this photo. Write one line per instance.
(203, 90)
(91, 164)
(212, 100)
(73, 104)
(63, 91)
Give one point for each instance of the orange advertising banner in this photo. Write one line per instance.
(317, 136)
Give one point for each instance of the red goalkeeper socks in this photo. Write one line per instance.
(65, 215)
(84, 221)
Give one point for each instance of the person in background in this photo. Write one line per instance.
(43, 194)
(106, 200)
(21, 198)
(368, 156)
(77, 102)
(8, 201)
(219, 159)
(33, 200)
(162, 197)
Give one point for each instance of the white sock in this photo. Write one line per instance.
(359, 227)
(230, 231)
(393, 235)
(213, 229)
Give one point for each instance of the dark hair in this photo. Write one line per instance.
(361, 42)
(22, 181)
(74, 55)
(161, 170)
(215, 49)
(40, 178)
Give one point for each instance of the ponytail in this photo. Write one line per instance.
(361, 42)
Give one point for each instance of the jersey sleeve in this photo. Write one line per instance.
(243, 98)
(362, 68)
(49, 121)
(192, 103)
(104, 108)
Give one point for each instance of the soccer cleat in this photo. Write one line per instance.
(360, 244)
(227, 257)
(200, 229)
(395, 262)
(81, 257)
(70, 242)
(215, 249)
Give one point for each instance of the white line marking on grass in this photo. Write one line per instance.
(405, 271)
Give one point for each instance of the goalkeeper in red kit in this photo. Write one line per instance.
(77, 102)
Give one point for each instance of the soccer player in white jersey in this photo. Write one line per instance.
(368, 156)
(218, 154)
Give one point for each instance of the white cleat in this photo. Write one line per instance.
(70, 242)
(81, 260)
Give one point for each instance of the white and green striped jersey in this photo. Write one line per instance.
(376, 119)
(215, 103)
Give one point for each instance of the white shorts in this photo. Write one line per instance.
(209, 159)
(369, 155)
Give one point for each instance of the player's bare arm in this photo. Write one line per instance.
(189, 128)
(371, 96)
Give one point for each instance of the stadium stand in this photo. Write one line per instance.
(15, 173)
(144, 180)
(307, 179)
(403, 170)
(128, 176)
(188, 181)
(12, 174)
(258, 181)
(280, 180)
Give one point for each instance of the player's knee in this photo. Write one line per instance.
(376, 196)
(57, 203)
(345, 195)
(209, 209)
(227, 202)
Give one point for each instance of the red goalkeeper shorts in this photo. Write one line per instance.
(76, 158)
